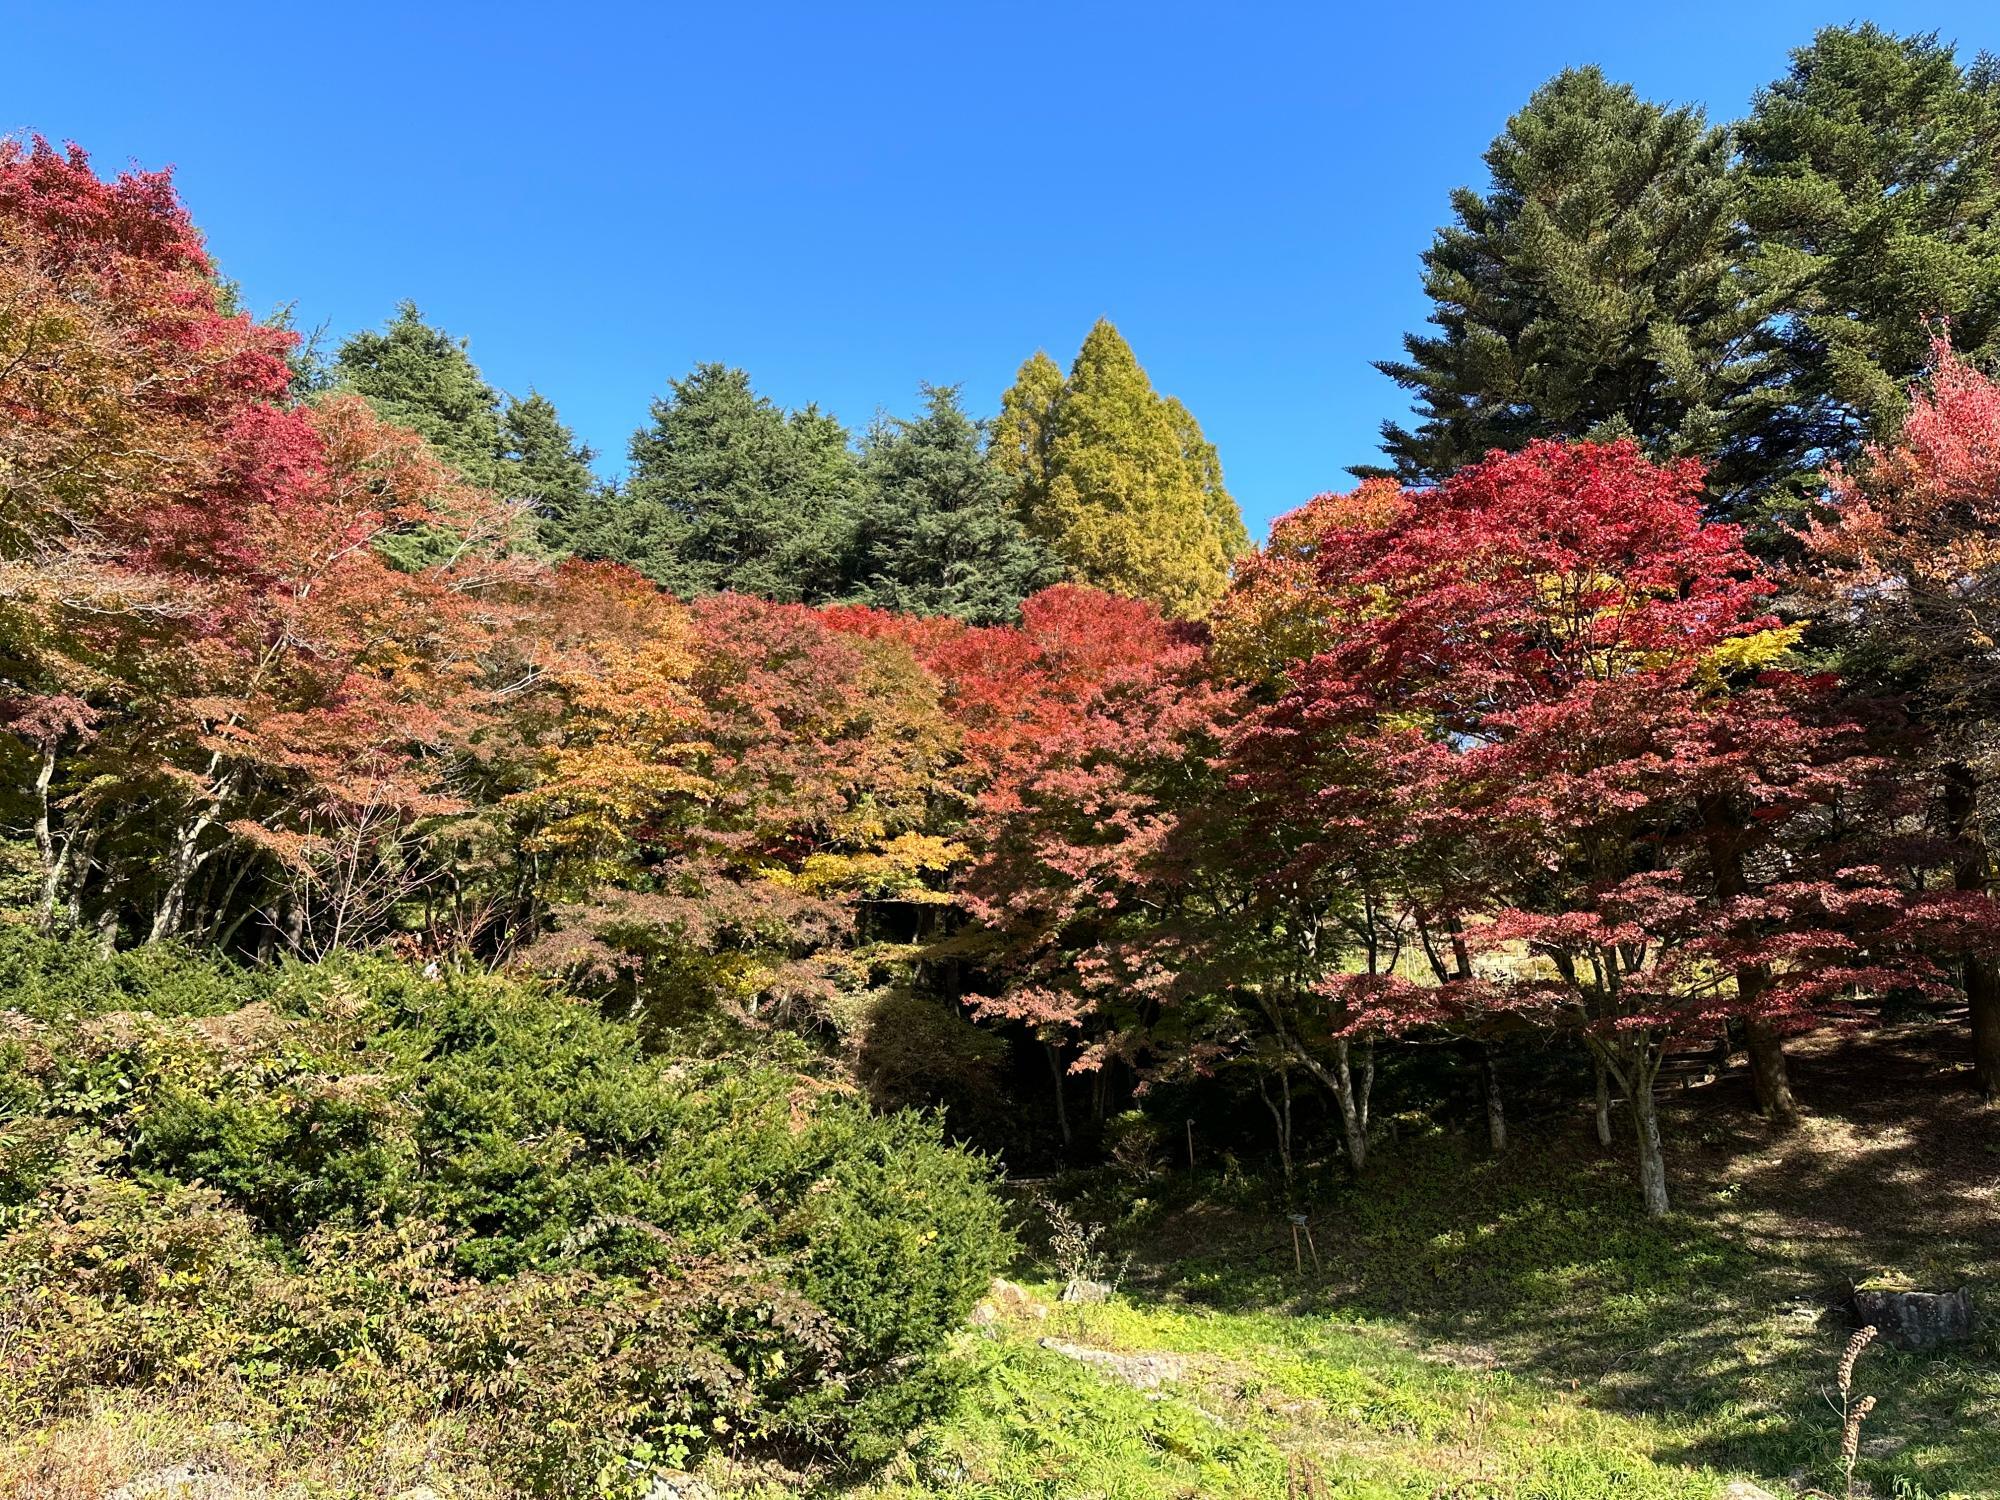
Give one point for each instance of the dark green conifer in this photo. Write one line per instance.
(1872, 181)
(729, 492)
(935, 531)
(1595, 290)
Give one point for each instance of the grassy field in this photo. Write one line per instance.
(1515, 1328)
(1264, 1404)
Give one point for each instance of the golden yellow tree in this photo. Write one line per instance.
(1117, 480)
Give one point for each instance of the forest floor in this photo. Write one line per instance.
(1514, 1328)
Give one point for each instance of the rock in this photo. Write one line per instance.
(679, 1487)
(1004, 1300)
(180, 1482)
(419, 1492)
(1916, 1320)
(1080, 1290)
(1143, 1372)
(1743, 1489)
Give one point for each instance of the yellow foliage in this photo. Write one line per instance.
(1754, 653)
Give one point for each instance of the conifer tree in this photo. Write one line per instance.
(1117, 481)
(1872, 180)
(935, 531)
(1595, 290)
(421, 378)
(1019, 443)
(728, 492)
(546, 465)
(1200, 455)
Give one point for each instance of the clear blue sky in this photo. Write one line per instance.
(849, 199)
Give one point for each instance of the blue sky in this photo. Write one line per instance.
(847, 200)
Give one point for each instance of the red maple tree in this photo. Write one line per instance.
(1906, 564)
(1605, 778)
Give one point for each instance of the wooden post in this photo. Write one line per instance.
(1300, 1224)
(1190, 1143)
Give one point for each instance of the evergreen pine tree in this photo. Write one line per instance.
(1872, 174)
(728, 492)
(1116, 481)
(1595, 290)
(422, 378)
(935, 531)
(544, 464)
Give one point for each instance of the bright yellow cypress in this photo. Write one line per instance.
(1117, 480)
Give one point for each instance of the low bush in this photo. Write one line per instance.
(350, 1189)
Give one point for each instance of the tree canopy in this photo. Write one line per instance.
(421, 378)
(935, 529)
(1118, 481)
(728, 492)
(1595, 290)
(1872, 186)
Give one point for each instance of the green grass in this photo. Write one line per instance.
(1726, 1332)
(1478, 1329)
(1518, 1328)
(1267, 1404)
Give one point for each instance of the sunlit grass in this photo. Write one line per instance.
(1271, 1404)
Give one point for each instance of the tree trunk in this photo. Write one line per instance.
(1982, 998)
(81, 853)
(1339, 1081)
(1972, 871)
(54, 852)
(1603, 1080)
(1769, 1072)
(1496, 1111)
(1353, 1122)
(1761, 1042)
(1367, 1082)
(1652, 1160)
(107, 929)
(1062, 1104)
(182, 862)
(1285, 1130)
(1635, 1065)
(1281, 1117)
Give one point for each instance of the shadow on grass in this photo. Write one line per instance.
(1725, 1319)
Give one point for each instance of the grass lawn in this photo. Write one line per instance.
(1516, 1328)
(1265, 1404)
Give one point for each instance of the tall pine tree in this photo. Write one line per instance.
(424, 379)
(1118, 482)
(729, 492)
(543, 463)
(1596, 289)
(1872, 180)
(935, 531)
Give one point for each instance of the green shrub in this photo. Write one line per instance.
(48, 977)
(472, 1192)
(108, 1283)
